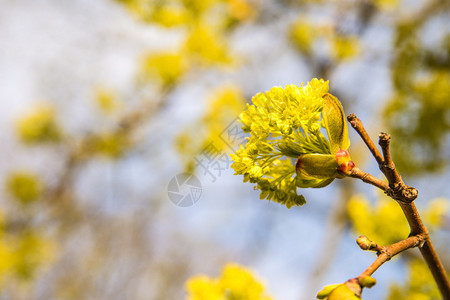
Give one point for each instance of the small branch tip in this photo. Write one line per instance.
(351, 117)
(384, 138)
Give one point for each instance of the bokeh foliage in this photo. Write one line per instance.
(41, 215)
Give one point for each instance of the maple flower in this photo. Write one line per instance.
(285, 125)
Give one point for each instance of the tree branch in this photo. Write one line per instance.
(358, 126)
(398, 189)
(369, 178)
(385, 253)
(404, 195)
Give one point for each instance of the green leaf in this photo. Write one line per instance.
(335, 124)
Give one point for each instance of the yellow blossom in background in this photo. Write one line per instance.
(303, 35)
(235, 282)
(386, 4)
(166, 68)
(198, 7)
(31, 251)
(204, 288)
(171, 15)
(6, 261)
(106, 100)
(111, 145)
(436, 211)
(420, 284)
(344, 47)
(24, 187)
(225, 105)
(239, 283)
(239, 11)
(21, 254)
(384, 222)
(206, 47)
(38, 126)
(419, 117)
(188, 146)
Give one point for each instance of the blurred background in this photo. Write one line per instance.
(104, 103)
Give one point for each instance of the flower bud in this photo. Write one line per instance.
(365, 244)
(345, 164)
(367, 281)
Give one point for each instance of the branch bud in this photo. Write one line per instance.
(365, 243)
(344, 161)
(367, 281)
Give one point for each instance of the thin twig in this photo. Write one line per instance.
(388, 166)
(398, 189)
(369, 178)
(357, 125)
(387, 252)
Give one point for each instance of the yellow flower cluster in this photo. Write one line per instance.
(345, 47)
(109, 144)
(284, 124)
(170, 13)
(22, 254)
(235, 282)
(239, 11)
(204, 46)
(25, 187)
(39, 126)
(106, 100)
(165, 67)
(304, 34)
(226, 103)
(384, 223)
(386, 4)
(420, 284)
(423, 108)
(205, 24)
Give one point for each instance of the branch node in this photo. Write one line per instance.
(402, 192)
(352, 118)
(366, 244)
(384, 139)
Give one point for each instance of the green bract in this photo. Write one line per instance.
(285, 124)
